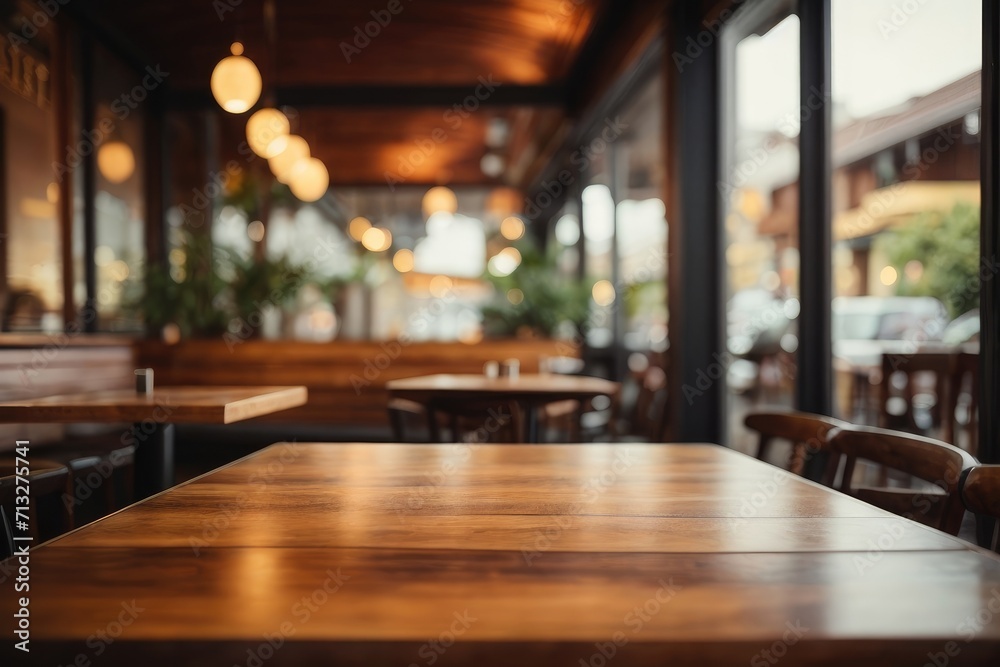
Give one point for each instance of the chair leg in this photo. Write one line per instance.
(396, 421)
(433, 428)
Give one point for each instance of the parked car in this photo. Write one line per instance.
(963, 329)
(757, 320)
(760, 327)
(866, 327)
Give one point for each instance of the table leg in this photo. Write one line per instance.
(154, 459)
(531, 423)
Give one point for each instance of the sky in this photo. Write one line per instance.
(884, 53)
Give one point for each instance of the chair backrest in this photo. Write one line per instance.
(936, 363)
(476, 420)
(932, 461)
(49, 482)
(964, 371)
(807, 432)
(981, 495)
(402, 413)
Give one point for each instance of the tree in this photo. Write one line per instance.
(938, 255)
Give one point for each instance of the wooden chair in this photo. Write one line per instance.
(476, 420)
(103, 471)
(48, 512)
(562, 418)
(964, 393)
(807, 432)
(643, 419)
(402, 415)
(915, 369)
(939, 465)
(981, 495)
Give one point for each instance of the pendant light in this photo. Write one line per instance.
(267, 132)
(281, 164)
(236, 82)
(308, 179)
(115, 161)
(439, 198)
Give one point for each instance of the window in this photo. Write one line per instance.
(29, 190)
(906, 95)
(760, 194)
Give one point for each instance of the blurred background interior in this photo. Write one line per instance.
(190, 186)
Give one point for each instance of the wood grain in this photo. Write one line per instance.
(435, 43)
(518, 538)
(205, 405)
(740, 604)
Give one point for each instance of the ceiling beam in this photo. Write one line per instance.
(484, 93)
(610, 18)
(117, 42)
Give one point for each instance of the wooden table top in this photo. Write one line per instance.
(547, 386)
(363, 554)
(201, 405)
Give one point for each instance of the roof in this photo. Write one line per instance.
(867, 136)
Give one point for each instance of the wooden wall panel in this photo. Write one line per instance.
(33, 366)
(346, 380)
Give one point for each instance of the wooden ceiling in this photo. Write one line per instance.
(429, 42)
(364, 116)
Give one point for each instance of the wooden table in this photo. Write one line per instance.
(368, 554)
(153, 416)
(529, 391)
